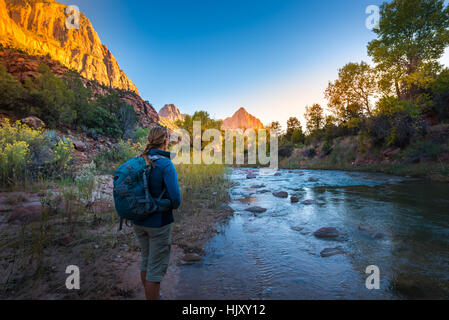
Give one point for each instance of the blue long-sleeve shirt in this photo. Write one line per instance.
(163, 176)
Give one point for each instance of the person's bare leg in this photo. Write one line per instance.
(143, 277)
(152, 290)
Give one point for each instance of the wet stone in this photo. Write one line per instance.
(256, 210)
(282, 194)
(327, 232)
(329, 252)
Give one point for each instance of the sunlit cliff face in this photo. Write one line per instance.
(39, 28)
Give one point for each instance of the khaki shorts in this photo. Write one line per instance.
(156, 247)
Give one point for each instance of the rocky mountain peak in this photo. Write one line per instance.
(242, 120)
(171, 113)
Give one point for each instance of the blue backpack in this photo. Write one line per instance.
(132, 197)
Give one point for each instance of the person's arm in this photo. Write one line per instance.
(171, 182)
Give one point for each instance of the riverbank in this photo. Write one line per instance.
(49, 226)
(427, 158)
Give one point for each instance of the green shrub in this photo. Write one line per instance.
(65, 101)
(108, 160)
(27, 153)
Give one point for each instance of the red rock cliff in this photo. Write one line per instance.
(39, 28)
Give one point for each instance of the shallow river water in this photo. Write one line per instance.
(399, 225)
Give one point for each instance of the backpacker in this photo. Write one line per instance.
(132, 197)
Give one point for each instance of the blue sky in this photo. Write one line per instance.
(272, 57)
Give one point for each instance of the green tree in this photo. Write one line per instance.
(298, 136)
(293, 125)
(315, 118)
(411, 37)
(276, 127)
(49, 98)
(351, 94)
(11, 93)
(79, 98)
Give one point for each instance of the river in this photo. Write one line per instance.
(399, 225)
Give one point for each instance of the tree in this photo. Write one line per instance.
(297, 136)
(315, 118)
(276, 127)
(412, 36)
(355, 87)
(11, 92)
(293, 124)
(50, 99)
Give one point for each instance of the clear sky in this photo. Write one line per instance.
(272, 57)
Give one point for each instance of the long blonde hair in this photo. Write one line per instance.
(156, 138)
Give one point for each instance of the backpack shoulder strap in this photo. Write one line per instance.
(156, 158)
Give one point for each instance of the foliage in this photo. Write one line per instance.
(27, 153)
(411, 33)
(11, 92)
(350, 95)
(65, 101)
(294, 132)
(315, 118)
(109, 160)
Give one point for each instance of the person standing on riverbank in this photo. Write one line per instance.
(155, 233)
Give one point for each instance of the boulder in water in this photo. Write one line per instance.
(312, 179)
(256, 210)
(191, 258)
(294, 199)
(308, 202)
(251, 176)
(329, 252)
(379, 235)
(258, 186)
(281, 194)
(263, 191)
(327, 232)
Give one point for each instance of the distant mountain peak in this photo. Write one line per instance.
(171, 113)
(242, 120)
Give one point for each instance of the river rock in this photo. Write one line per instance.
(225, 207)
(191, 258)
(299, 229)
(256, 210)
(263, 191)
(251, 176)
(294, 199)
(258, 186)
(329, 252)
(313, 179)
(379, 235)
(308, 202)
(278, 174)
(327, 232)
(282, 194)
